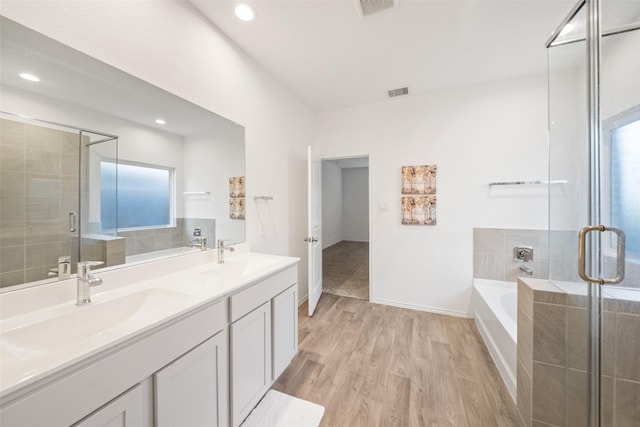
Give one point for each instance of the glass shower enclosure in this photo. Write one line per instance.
(594, 220)
(50, 198)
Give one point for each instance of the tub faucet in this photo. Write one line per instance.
(221, 249)
(199, 242)
(63, 271)
(526, 270)
(86, 280)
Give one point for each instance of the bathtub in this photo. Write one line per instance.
(495, 307)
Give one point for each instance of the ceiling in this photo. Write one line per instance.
(72, 77)
(331, 56)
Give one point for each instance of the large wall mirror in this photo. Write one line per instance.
(98, 165)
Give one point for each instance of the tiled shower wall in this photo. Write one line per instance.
(38, 186)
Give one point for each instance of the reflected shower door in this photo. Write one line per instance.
(38, 198)
(98, 242)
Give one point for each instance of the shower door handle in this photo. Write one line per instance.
(72, 222)
(582, 255)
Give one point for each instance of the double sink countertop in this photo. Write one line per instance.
(43, 332)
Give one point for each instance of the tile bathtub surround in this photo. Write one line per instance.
(154, 239)
(207, 228)
(493, 253)
(552, 355)
(109, 250)
(157, 239)
(34, 197)
(555, 254)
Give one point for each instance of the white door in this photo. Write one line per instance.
(314, 229)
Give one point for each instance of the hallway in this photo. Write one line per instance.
(345, 270)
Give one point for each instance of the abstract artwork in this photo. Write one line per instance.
(419, 179)
(419, 210)
(419, 194)
(237, 197)
(236, 186)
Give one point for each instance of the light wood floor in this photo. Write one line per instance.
(374, 365)
(345, 269)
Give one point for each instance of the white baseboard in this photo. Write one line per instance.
(422, 308)
(303, 300)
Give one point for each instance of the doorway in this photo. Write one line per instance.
(345, 227)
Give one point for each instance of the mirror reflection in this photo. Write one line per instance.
(99, 165)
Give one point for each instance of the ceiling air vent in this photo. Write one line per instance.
(369, 7)
(398, 92)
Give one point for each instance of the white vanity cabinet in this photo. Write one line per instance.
(251, 361)
(126, 410)
(284, 315)
(102, 391)
(200, 348)
(263, 319)
(193, 390)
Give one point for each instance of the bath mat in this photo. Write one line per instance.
(281, 410)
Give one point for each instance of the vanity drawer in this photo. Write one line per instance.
(245, 301)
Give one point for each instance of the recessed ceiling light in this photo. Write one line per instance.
(567, 29)
(245, 12)
(29, 77)
(161, 122)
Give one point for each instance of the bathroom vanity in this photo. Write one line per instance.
(177, 342)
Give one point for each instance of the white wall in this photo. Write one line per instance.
(213, 158)
(332, 229)
(620, 87)
(171, 45)
(475, 135)
(355, 204)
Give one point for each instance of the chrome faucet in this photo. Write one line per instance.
(64, 268)
(221, 249)
(199, 242)
(86, 280)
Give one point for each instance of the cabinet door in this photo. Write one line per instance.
(250, 361)
(193, 390)
(284, 309)
(124, 411)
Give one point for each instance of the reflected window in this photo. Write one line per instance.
(141, 198)
(623, 161)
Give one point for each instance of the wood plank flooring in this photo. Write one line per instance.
(374, 365)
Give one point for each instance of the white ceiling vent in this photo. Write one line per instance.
(398, 92)
(369, 7)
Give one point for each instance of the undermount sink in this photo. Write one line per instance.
(85, 323)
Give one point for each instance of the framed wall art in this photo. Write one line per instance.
(419, 210)
(419, 179)
(237, 197)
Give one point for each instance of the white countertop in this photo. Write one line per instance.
(42, 331)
